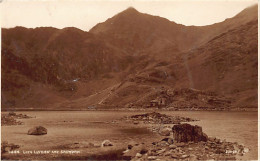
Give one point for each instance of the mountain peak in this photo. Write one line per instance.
(130, 9)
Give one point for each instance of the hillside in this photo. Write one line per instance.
(228, 64)
(225, 73)
(124, 63)
(54, 62)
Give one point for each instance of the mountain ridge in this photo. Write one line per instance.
(121, 66)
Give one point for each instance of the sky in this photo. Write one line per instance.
(85, 14)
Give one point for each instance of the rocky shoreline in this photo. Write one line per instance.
(154, 118)
(110, 108)
(154, 121)
(167, 149)
(157, 118)
(182, 142)
(11, 119)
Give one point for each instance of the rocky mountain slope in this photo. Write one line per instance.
(228, 70)
(31, 57)
(132, 60)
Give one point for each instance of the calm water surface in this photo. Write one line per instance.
(75, 126)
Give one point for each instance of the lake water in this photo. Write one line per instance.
(66, 127)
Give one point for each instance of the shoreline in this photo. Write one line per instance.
(134, 110)
(164, 144)
(156, 147)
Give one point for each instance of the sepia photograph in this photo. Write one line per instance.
(129, 80)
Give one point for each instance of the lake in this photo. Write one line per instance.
(65, 127)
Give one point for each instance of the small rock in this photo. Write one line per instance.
(163, 143)
(172, 146)
(212, 139)
(180, 144)
(129, 146)
(184, 156)
(152, 153)
(175, 156)
(106, 143)
(132, 143)
(126, 151)
(217, 141)
(246, 150)
(168, 153)
(161, 151)
(193, 157)
(143, 150)
(168, 140)
(221, 151)
(165, 132)
(136, 122)
(151, 157)
(138, 155)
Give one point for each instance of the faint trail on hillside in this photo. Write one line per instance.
(110, 92)
(96, 98)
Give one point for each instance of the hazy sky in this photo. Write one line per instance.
(84, 14)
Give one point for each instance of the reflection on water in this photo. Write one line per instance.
(135, 131)
(69, 126)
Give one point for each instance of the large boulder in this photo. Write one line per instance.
(37, 130)
(186, 132)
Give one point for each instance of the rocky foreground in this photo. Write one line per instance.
(187, 143)
(180, 141)
(7, 147)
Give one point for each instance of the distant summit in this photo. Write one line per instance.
(130, 9)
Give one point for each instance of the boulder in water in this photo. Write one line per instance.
(187, 132)
(38, 130)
